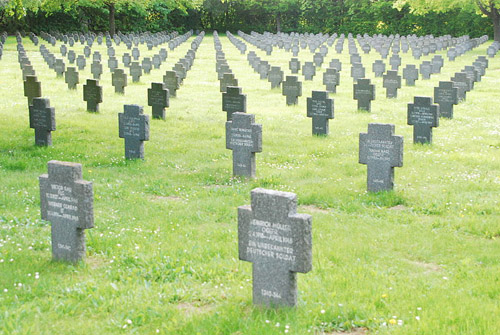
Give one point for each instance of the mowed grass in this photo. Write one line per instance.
(163, 257)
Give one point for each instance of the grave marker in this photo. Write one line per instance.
(331, 79)
(135, 72)
(43, 120)
(423, 116)
(158, 100)
(92, 94)
(172, 82)
(364, 92)
(119, 80)
(410, 74)
(392, 82)
(446, 95)
(32, 88)
(275, 77)
(71, 78)
(292, 89)
(233, 101)
(320, 109)
(96, 70)
(134, 128)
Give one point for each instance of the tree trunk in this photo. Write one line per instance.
(495, 17)
(278, 22)
(112, 27)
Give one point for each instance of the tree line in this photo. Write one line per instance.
(421, 17)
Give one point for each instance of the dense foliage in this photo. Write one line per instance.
(355, 16)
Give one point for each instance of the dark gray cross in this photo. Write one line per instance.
(437, 63)
(472, 73)
(172, 82)
(43, 120)
(463, 83)
(275, 77)
(96, 69)
(63, 50)
(335, 64)
(71, 56)
(136, 53)
(119, 80)
(357, 71)
(126, 59)
(320, 109)
(158, 100)
(112, 64)
(59, 67)
(67, 202)
(292, 89)
(135, 72)
(395, 62)
(86, 51)
(423, 116)
(378, 68)
(71, 78)
(364, 92)
(479, 67)
(134, 128)
(263, 69)
(446, 95)
(81, 62)
(426, 70)
(381, 151)
(96, 57)
(392, 82)
(157, 61)
(147, 65)
(92, 94)
(228, 79)
(331, 79)
(278, 242)
(294, 65)
(181, 71)
(234, 101)
(410, 74)
(223, 68)
(244, 137)
(32, 89)
(29, 71)
(308, 70)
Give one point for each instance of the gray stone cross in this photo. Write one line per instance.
(244, 137)
(96, 69)
(378, 68)
(278, 241)
(410, 74)
(32, 88)
(43, 120)
(92, 94)
(320, 109)
(292, 89)
(423, 116)
(392, 82)
(172, 82)
(67, 201)
(275, 76)
(294, 65)
(134, 128)
(308, 70)
(135, 71)
(446, 95)
(158, 100)
(331, 79)
(228, 79)
(59, 67)
(233, 101)
(71, 77)
(381, 151)
(364, 92)
(119, 80)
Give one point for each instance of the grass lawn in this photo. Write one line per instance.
(163, 257)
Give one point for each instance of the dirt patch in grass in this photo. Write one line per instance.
(189, 308)
(398, 208)
(314, 209)
(428, 267)
(94, 262)
(355, 331)
(167, 198)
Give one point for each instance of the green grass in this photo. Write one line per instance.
(163, 255)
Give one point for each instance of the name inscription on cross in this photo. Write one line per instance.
(278, 241)
(364, 92)
(71, 78)
(233, 101)
(423, 116)
(43, 120)
(67, 201)
(92, 94)
(32, 88)
(119, 80)
(158, 100)
(320, 109)
(292, 89)
(446, 95)
(134, 128)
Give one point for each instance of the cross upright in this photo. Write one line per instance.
(81, 62)
(32, 88)
(228, 79)
(278, 241)
(119, 80)
(112, 63)
(244, 137)
(446, 95)
(410, 74)
(134, 128)
(378, 68)
(158, 100)
(181, 72)
(381, 151)
(43, 120)
(28, 71)
(263, 69)
(275, 76)
(67, 201)
(147, 65)
(294, 65)
(395, 62)
(364, 92)
(463, 83)
(135, 72)
(308, 70)
(172, 82)
(392, 82)
(357, 71)
(233, 101)
(59, 67)
(92, 94)
(292, 89)
(320, 109)
(96, 69)
(71, 77)
(331, 79)
(426, 70)
(423, 116)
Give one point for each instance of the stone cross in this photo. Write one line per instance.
(446, 95)
(292, 89)
(96, 69)
(29, 71)
(32, 89)
(294, 65)
(67, 202)
(278, 241)
(135, 71)
(59, 67)
(426, 70)
(147, 65)
(71, 56)
(228, 79)
(308, 70)
(244, 137)
(357, 71)
(263, 69)
(331, 79)
(181, 71)
(381, 151)
(158, 100)
(423, 116)
(43, 120)
(134, 128)
(378, 68)
(119, 80)
(275, 77)
(126, 59)
(320, 109)
(410, 74)
(335, 64)
(112, 64)
(233, 101)
(81, 62)
(172, 82)
(392, 82)
(71, 77)
(92, 94)
(395, 62)
(463, 83)
(364, 92)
